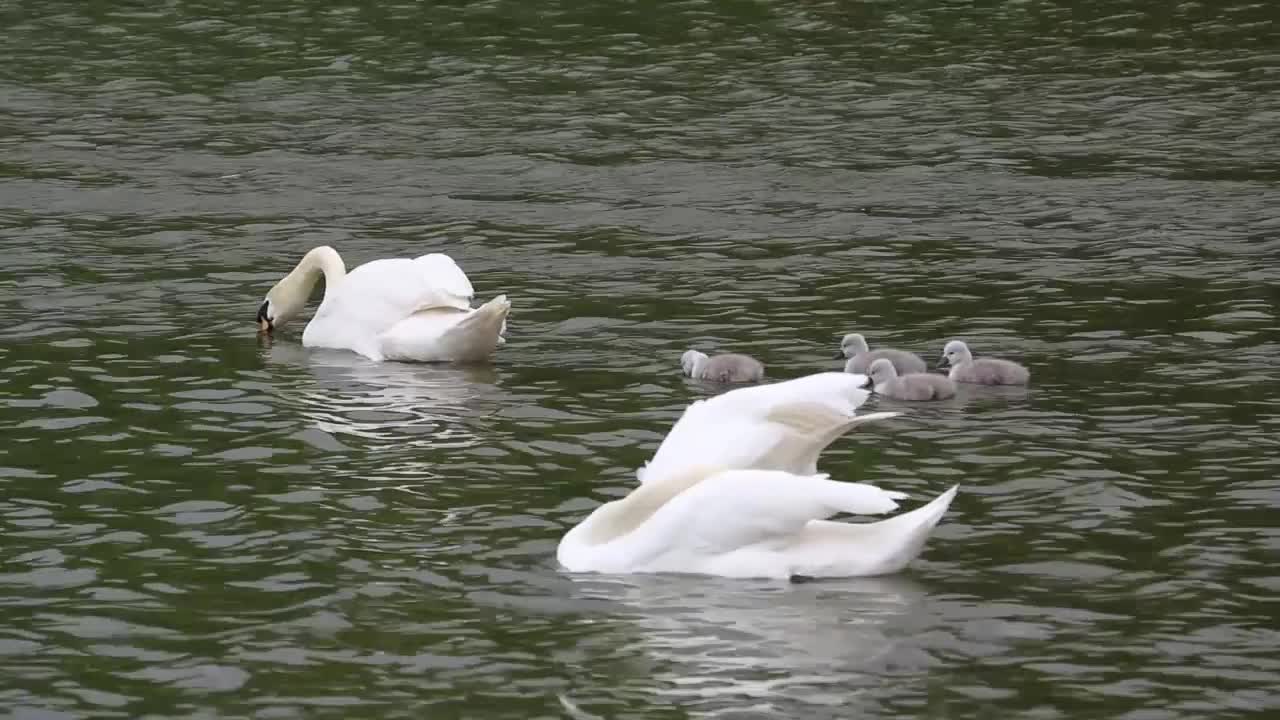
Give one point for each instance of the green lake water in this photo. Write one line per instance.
(198, 524)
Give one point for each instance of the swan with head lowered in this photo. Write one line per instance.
(392, 309)
(733, 490)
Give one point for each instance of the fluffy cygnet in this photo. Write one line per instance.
(727, 368)
(912, 386)
(854, 347)
(981, 371)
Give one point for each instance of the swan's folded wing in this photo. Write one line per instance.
(738, 509)
(833, 549)
(447, 334)
(378, 294)
(784, 426)
(446, 285)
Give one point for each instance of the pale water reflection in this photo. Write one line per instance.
(737, 646)
(433, 404)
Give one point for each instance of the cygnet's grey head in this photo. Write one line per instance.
(852, 344)
(690, 361)
(881, 371)
(954, 353)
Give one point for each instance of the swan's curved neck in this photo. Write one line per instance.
(290, 295)
(300, 281)
(318, 261)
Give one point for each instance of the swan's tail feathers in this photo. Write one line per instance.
(496, 311)
(479, 333)
(447, 335)
(840, 549)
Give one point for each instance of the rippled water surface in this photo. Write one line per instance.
(196, 524)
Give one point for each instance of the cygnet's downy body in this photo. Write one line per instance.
(913, 386)
(727, 368)
(965, 368)
(854, 347)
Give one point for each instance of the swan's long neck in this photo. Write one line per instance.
(290, 295)
(318, 261)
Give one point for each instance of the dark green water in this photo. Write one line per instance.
(198, 526)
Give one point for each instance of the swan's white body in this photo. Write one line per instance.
(733, 491)
(394, 309)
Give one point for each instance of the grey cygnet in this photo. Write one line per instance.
(854, 347)
(727, 368)
(981, 371)
(912, 386)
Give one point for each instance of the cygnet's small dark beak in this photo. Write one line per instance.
(264, 323)
(839, 355)
(943, 363)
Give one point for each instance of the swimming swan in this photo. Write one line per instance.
(392, 309)
(733, 491)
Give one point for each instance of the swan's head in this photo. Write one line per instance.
(690, 361)
(282, 303)
(881, 371)
(852, 344)
(954, 353)
(289, 296)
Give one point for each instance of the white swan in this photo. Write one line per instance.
(392, 309)
(733, 491)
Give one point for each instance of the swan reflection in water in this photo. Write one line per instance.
(735, 645)
(406, 404)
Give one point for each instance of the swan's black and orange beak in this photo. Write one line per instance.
(265, 325)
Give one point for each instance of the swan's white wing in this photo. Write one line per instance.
(741, 522)
(738, 508)
(840, 549)
(378, 294)
(447, 334)
(782, 426)
(450, 285)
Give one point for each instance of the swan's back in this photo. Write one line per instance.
(377, 295)
(449, 285)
